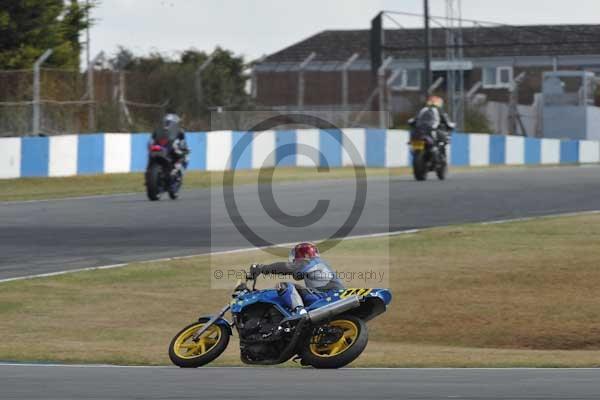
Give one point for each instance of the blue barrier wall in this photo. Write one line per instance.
(497, 150)
(330, 147)
(197, 143)
(139, 151)
(285, 150)
(34, 156)
(241, 150)
(459, 150)
(569, 151)
(90, 154)
(376, 147)
(99, 153)
(533, 151)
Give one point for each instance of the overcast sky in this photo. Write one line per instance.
(256, 27)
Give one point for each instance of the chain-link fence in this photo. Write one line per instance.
(71, 102)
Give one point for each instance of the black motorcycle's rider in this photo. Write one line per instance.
(432, 115)
(305, 264)
(178, 148)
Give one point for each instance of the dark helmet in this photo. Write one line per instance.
(303, 251)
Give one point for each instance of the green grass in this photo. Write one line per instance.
(516, 294)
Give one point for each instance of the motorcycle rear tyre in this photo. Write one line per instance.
(419, 166)
(153, 176)
(355, 349)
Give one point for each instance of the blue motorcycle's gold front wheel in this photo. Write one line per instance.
(186, 351)
(336, 343)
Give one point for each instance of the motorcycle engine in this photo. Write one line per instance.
(257, 326)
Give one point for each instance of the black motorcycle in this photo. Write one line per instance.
(161, 175)
(428, 149)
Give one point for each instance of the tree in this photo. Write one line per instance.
(28, 28)
(157, 79)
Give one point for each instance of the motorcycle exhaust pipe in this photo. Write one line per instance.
(335, 308)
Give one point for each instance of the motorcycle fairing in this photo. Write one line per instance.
(264, 296)
(374, 300)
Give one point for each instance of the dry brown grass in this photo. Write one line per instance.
(89, 185)
(517, 294)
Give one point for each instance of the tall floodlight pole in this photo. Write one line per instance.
(427, 78)
(35, 125)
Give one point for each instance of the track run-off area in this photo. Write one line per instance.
(47, 236)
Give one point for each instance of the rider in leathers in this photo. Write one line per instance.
(439, 120)
(178, 148)
(305, 264)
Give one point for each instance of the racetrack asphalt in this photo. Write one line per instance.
(93, 382)
(55, 235)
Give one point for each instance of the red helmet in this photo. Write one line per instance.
(303, 251)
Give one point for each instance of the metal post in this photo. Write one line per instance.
(35, 126)
(124, 110)
(435, 85)
(390, 81)
(90, 71)
(473, 91)
(427, 80)
(381, 83)
(254, 78)
(455, 70)
(460, 113)
(198, 77)
(91, 92)
(513, 111)
(345, 86)
(91, 95)
(301, 68)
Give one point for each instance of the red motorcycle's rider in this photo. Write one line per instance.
(305, 264)
(178, 148)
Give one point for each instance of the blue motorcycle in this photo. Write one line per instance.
(331, 334)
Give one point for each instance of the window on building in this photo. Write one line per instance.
(407, 79)
(505, 76)
(413, 79)
(497, 77)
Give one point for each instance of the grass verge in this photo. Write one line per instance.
(90, 185)
(515, 294)
(106, 184)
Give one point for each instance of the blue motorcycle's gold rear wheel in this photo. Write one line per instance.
(349, 335)
(352, 340)
(186, 352)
